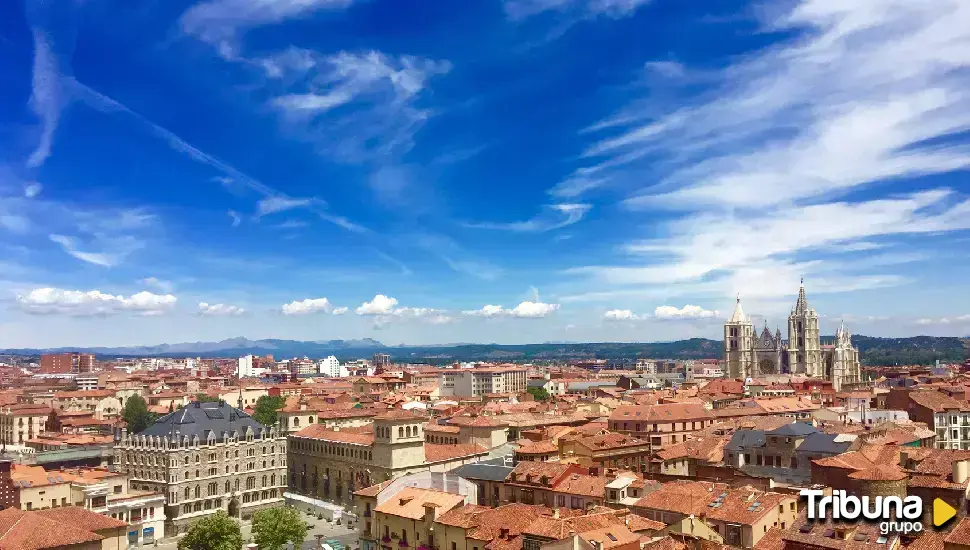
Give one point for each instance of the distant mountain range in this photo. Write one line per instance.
(917, 350)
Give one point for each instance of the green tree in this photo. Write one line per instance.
(274, 527)
(266, 409)
(539, 393)
(215, 532)
(203, 398)
(136, 414)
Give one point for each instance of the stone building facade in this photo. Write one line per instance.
(749, 354)
(206, 457)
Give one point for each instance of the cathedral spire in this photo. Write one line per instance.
(738, 315)
(801, 306)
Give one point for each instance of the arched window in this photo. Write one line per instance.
(188, 493)
(264, 481)
(400, 431)
(407, 431)
(198, 491)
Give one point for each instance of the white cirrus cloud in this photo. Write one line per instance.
(354, 106)
(236, 218)
(110, 257)
(280, 203)
(616, 9)
(219, 22)
(554, 216)
(380, 305)
(307, 306)
(46, 98)
(686, 312)
(219, 310)
(341, 310)
(93, 302)
(525, 310)
(621, 315)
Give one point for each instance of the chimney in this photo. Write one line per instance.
(555, 513)
(960, 468)
(503, 533)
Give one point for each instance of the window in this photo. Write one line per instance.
(117, 489)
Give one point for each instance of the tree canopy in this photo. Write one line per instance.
(266, 409)
(215, 532)
(274, 527)
(204, 398)
(539, 393)
(136, 414)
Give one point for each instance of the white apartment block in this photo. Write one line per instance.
(247, 367)
(331, 367)
(952, 429)
(482, 381)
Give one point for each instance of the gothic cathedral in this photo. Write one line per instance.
(748, 354)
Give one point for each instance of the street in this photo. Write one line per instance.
(346, 539)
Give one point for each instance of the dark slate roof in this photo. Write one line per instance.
(201, 418)
(823, 443)
(483, 471)
(796, 429)
(745, 439)
(538, 383)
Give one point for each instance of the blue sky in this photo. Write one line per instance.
(494, 171)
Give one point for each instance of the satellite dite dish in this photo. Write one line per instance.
(748, 380)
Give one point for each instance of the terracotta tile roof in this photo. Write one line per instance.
(929, 539)
(20, 530)
(333, 414)
(513, 517)
(675, 412)
(611, 441)
(683, 497)
(434, 452)
(438, 428)
(322, 433)
(464, 517)
(531, 473)
(398, 414)
(937, 401)
(610, 537)
(637, 523)
(79, 517)
(739, 505)
(373, 490)
(537, 448)
(583, 485)
(559, 528)
(960, 534)
(410, 502)
(478, 421)
(879, 473)
(771, 540)
(665, 543)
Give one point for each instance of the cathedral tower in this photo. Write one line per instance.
(845, 360)
(804, 348)
(739, 344)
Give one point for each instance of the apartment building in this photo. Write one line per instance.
(66, 363)
(328, 465)
(480, 382)
(206, 457)
(948, 417)
(611, 450)
(661, 425)
(22, 422)
(715, 512)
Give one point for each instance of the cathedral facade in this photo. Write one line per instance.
(749, 354)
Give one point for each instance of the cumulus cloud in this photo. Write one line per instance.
(525, 310)
(620, 315)
(380, 305)
(686, 312)
(341, 310)
(307, 306)
(93, 302)
(219, 310)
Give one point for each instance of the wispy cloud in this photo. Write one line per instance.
(93, 302)
(522, 9)
(453, 255)
(219, 22)
(46, 96)
(160, 284)
(32, 189)
(220, 310)
(280, 203)
(236, 218)
(103, 258)
(554, 216)
(108, 104)
(369, 101)
(757, 169)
